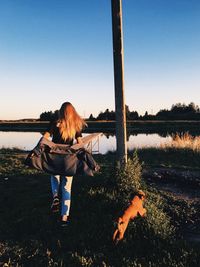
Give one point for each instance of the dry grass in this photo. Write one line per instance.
(184, 140)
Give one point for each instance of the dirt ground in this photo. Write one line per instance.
(184, 187)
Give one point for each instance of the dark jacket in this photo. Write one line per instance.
(60, 159)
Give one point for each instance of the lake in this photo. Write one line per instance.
(28, 140)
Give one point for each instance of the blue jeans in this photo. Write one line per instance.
(64, 183)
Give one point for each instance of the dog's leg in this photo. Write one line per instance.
(115, 236)
(121, 229)
(118, 234)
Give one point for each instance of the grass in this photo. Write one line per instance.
(12, 163)
(30, 236)
(170, 157)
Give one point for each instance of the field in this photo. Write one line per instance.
(168, 236)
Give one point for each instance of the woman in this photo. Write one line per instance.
(64, 130)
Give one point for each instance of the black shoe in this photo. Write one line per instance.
(64, 224)
(55, 205)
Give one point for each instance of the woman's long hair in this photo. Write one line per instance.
(69, 121)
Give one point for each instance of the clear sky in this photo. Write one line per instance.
(52, 51)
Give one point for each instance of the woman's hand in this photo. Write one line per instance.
(79, 140)
(46, 135)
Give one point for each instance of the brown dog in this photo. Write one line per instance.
(135, 208)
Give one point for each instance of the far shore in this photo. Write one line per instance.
(138, 126)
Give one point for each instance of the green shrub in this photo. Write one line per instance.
(128, 179)
(156, 223)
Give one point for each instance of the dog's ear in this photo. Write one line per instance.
(142, 212)
(141, 194)
(141, 197)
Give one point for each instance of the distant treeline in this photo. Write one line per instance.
(177, 112)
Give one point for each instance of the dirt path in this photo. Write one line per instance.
(181, 185)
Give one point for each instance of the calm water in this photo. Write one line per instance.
(27, 141)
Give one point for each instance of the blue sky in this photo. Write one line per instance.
(52, 51)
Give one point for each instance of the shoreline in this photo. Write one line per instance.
(109, 126)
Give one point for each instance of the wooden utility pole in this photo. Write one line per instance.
(118, 56)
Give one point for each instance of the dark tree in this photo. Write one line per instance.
(48, 115)
(91, 117)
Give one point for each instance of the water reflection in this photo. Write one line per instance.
(27, 140)
(22, 140)
(108, 142)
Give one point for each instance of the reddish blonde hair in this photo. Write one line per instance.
(69, 121)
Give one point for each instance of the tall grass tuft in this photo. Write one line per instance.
(184, 140)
